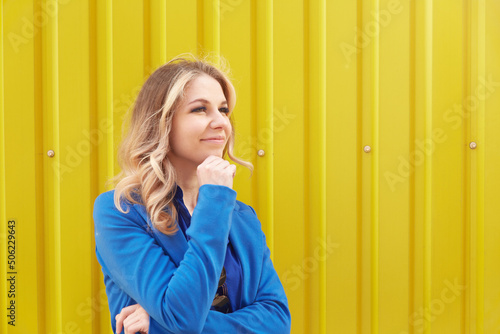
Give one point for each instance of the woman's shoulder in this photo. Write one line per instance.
(244, 208)
(104, 200)
(107, 199)
(104, 205)
(105, 196)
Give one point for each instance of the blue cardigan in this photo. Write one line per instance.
(232, 266)
(175, 280)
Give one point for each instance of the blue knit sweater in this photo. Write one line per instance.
(175, 280)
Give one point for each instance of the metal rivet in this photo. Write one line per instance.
(51, 153)
(367, 149)
(261, 153)
(473, 145)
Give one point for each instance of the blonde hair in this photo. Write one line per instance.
(147, 177)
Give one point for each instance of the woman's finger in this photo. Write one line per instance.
(217, 163)
(120, 317)
(217, 171)
(139, 326)
(137, 322)
(210, 160)
(129, 322)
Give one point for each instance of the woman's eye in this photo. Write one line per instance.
(199, 109)
(204, 109)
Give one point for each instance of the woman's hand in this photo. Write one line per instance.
(134, 319)
(215, 170)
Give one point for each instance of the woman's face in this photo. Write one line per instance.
(200, 126)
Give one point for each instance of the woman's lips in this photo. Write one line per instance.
(216, 140)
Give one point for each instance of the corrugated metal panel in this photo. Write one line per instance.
(380, 216)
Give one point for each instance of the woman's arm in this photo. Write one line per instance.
(178, 298)
(269, 312)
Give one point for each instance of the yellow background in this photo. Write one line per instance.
(404, 238)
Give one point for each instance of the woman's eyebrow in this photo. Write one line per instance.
(206, 101)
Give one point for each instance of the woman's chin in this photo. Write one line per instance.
(217, 153)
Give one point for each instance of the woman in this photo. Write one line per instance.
(178, 252)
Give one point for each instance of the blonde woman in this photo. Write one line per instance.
(178, 252)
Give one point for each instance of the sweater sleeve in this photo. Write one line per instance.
(269, 313)
(179, 298)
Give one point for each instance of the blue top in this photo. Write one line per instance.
(231, 262)
(175, 279)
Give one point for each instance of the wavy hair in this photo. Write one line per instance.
(147, 177)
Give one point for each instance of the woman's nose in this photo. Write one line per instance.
(218, 119)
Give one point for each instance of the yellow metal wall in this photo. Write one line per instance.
(380, 216)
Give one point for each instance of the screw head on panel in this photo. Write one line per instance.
(51, 153)
(367, 149)
(473, 145)
(261, 153)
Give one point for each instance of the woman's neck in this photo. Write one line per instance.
(188, 181)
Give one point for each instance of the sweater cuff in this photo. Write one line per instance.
(212, 192)
(213, 210)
